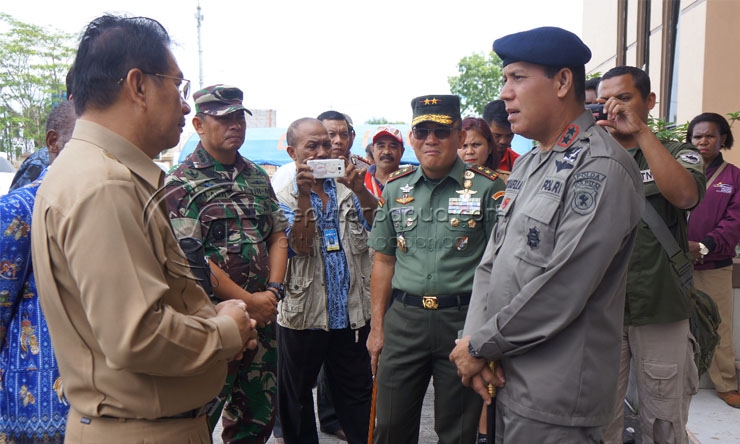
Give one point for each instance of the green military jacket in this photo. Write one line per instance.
(654, 293)
(437, 230)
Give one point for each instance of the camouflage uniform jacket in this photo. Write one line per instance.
(233, 210)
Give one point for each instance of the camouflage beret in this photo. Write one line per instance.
(219, 100)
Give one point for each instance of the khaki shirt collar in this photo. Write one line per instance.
(120, 149)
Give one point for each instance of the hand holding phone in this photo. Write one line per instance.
(326, 168)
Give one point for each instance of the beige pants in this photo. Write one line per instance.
(135, 431)
(663, 355)
(718, 284)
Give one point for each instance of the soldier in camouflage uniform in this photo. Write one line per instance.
(226, 201)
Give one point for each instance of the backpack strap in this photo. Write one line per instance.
(679, 260)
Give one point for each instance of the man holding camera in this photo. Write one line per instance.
(324, 318)
(226, 201)
(656, 336)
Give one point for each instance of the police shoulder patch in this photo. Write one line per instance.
(484, 171)
(690, 157)
(400, 173)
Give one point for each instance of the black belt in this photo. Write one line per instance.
(207, 409)
(432, 302)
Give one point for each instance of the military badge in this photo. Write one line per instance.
(690, 158)
(584, 201)
(462, 243)
(570, 133)
(406, 189)
(505, 203)
(533, 238)
(401, 243)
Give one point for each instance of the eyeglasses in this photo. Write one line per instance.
(183, 87)
(440, 132)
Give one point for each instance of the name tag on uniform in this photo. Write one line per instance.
(647, 176)
(463, 205)
(331, 239)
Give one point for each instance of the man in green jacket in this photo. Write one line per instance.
(656, 334)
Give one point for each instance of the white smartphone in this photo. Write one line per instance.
(323, 168)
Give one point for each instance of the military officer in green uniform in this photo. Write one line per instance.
(429, 235)
(227, 202)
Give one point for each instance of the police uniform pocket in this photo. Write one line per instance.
(404, 219)
(538, 241)
(661, 379)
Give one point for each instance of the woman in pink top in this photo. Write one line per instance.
(714, 231)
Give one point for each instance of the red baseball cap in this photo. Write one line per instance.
(388, 131)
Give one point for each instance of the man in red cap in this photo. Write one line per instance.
(387, 151)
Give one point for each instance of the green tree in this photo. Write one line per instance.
(33, 65)
(381, 121)
(480, 81)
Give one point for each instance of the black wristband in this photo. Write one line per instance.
(279, 289)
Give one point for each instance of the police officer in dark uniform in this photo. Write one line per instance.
(429, 236)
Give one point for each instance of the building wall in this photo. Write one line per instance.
(707, 59)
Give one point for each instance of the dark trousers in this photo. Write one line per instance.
(417, 347)
(328, 421)
(347, 365)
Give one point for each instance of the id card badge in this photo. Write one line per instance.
(331, 239)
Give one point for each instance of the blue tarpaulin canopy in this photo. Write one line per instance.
(267, 146)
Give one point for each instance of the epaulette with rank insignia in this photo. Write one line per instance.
(484, 171)
(400, 173)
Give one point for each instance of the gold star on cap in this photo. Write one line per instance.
(426, 101)
(434, 101)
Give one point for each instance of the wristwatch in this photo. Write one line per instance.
(472, 351)
(703, 250)
(279, 289)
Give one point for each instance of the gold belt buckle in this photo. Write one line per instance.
(430, 302)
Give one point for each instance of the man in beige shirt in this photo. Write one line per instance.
(141, 349)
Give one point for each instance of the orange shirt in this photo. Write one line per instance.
(507, 160)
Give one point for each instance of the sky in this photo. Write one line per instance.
(300, 58)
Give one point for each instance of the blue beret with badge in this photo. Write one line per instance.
(548, 46)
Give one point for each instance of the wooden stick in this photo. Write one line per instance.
(371, 430)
